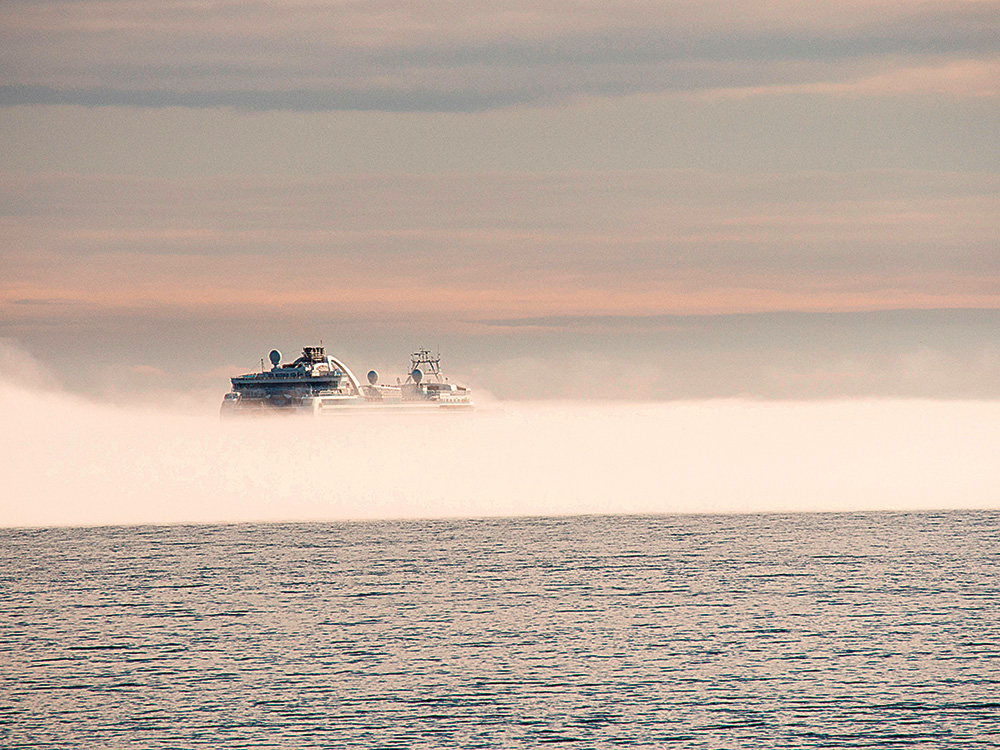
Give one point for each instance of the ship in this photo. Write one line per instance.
(317, 384)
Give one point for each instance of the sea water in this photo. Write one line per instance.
(729, 631)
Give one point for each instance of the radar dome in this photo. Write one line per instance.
(275, 357)
(416, 375)
(372, 377)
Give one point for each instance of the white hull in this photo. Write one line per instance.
(320, 407)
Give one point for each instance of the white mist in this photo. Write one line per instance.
(67, 462)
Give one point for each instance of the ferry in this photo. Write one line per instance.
(318, 384)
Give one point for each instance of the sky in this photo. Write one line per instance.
(626, 200)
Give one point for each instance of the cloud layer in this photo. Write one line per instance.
(500, 245)
(437, 56)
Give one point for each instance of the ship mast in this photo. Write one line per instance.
(424, 357)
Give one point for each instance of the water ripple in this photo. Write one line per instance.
(771, 631)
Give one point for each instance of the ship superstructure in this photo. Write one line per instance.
(317, 383)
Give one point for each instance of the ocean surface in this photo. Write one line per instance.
(772, 631)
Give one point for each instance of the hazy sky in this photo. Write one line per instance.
(771, 199)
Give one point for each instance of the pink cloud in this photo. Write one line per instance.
(488, 245)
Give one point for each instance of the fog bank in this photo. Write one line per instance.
(67, 461)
